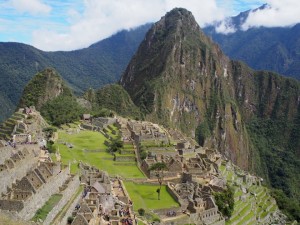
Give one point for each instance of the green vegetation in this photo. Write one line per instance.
(43, 87)
(61, 110)
(63, 211)
(115, 98)
(202, 132)
(225, 201)
(276, 45)
(144, 196)
(141, 211)
(289, 206)
(159, 169)
(49, 131)
(115, 145)
(109, 57)
(42, 213)
(279, 160)
(89, 147)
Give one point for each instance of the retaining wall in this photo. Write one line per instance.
(67, 194)
(42, 195)
(20, 169)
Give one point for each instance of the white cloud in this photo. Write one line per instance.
(102, 18)
(30, 6)
(204, 11)
(225, 27)
(278, 14)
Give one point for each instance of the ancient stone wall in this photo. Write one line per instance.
(69, 211)
(5, 153)
(20, 169)
(67, 195)
(176, 196)
(35, 202)
(178, 221)
(126, 158)
(24, 184)
(11, 205)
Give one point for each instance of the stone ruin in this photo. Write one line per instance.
(29, 193)
(104, 200)
(174, 165)
(121, 123)
(203, 165)
(146, 131)
(15, 162)
(196, 201)
(97, 123)
(21, 138)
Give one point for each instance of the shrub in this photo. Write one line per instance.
(141, 211)
(225, 201)
(70, 219)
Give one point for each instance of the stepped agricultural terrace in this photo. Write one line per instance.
(28, 177)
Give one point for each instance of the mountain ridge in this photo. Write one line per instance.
(100, 64)
(275, 49)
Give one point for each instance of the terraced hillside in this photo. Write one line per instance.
(7, 127)
(253, 203)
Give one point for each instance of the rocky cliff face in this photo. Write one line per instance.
(180, 78)
(44, 86)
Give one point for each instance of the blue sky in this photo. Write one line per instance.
(72, 24)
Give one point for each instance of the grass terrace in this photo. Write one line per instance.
(88, 146)
(145, 196)
(42, 213)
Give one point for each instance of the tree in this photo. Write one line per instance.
(115, 145)
(225, 201)
(61, 110)
(202, 132)
(49, 131)
(159, 169)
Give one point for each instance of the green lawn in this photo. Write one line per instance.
(145, 196)
(89, 140)
(43, 212)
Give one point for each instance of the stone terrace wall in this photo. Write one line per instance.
(5, 153)
(67, 195)
(9, 176)
(178, 220)
(69, 211)
(35, 202)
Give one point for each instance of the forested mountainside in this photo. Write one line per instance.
(276, 49)
(180, 78)
(97, 65)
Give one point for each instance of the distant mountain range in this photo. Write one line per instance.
(276, 49)
(95, 66)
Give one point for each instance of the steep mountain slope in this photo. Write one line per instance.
(49, 94)
(112, 97)
(43, 87)
(100, 64)
(276, 49)
(180, 78)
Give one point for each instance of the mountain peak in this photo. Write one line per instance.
(44, 86)
(169, 43)
(181, 15)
